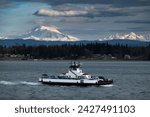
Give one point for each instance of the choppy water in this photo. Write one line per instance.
(19, 80)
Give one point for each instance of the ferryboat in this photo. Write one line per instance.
(74, 76)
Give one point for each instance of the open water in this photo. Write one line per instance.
(19, 80)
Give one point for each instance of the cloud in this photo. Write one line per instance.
(105, 8)
(140, 28)
(45, 12)
(76, 16)
(80, 20)
(135, 21)
(115, 3)
(132, 29)
(87, 10)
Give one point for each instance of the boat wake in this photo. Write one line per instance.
(7, 82)
(3, 82)
(109, 85)
(29, 83)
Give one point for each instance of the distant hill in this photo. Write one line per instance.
(126, 42)
(31, 42)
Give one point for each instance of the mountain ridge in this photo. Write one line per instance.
(44, 33)
(129, 36)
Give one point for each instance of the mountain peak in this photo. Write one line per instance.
(134, 36)
(132, 33)
(48, 28)
(3, 37)
(130, 36)
(48, 33)
(44, 33)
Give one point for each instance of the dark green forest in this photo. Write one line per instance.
(78, 51)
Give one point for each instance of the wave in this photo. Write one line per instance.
(3, 82)
(110, 85)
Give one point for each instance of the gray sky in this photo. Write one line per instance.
(85, 19)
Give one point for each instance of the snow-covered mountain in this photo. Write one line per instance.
(130, 36)
(45, 33)
(2, 37)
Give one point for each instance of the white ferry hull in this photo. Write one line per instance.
(74, 82)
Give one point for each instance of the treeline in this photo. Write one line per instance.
(68, 51)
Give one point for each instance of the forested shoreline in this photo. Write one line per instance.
(94, 51)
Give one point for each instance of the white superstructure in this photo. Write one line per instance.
(74, 71)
